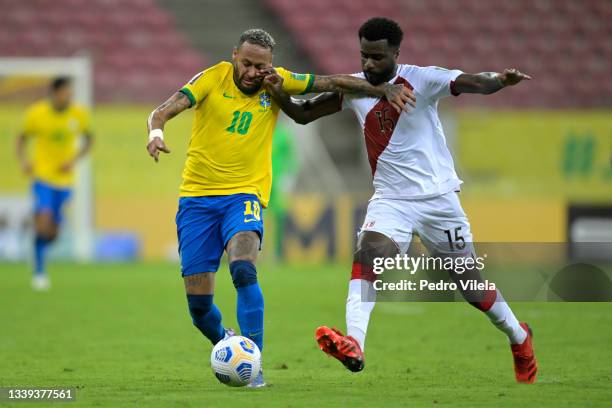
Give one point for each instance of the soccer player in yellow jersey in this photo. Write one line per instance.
(228, 173)
(54, 125)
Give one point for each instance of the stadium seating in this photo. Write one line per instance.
(566, 45)
(138, 54)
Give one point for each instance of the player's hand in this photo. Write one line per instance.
(67, 166)
(273, 82)
(399, 96)
(26, 168)
(155, 146)
(512, 76)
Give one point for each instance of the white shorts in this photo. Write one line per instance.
(439, 221)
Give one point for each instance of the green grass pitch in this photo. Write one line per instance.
(121, 335)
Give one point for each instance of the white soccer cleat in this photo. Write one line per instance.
(229, 333)
(41, 283)
(258, 382)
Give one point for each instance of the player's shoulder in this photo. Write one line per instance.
(79, 109)
(407, 69)
(79, 112)
(221, 67)
(38, 107)
(214, 72)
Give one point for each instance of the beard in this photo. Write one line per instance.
(380, 77)
(245, 90)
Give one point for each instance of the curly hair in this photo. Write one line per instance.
(380, 28)
(259, 37)
(59, 82)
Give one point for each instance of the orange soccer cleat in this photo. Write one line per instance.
(343, 348)
(525, 364)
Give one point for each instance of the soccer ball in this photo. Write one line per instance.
(235, 361)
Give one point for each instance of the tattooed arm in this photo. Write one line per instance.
(398, 95)
(158, 118)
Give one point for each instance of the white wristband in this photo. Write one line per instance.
(156, 133)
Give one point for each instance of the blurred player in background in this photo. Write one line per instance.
(227, 176)
(415, 185)
(55, 125)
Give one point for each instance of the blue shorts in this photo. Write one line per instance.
(205, 224)
(48, 198)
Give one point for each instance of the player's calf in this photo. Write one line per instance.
(46, 232)
(361, 294)
(242, 250)
(250, 303)
(206, 317)
(204, 314)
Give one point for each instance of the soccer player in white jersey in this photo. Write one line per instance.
(415, 184)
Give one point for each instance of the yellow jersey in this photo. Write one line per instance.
(230, 150)
(55, 136)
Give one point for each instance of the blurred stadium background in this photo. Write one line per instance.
(536, 159)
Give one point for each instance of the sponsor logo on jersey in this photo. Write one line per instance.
(227, 96)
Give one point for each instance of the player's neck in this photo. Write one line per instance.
(392, 74)
(59, 107)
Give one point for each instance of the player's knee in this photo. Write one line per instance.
(48, 234)
(46, 227)
(243, 246)
(372, 245)
(243, 273)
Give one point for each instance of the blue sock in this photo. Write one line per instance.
(40, 246)
(206, 317)
(250, 307)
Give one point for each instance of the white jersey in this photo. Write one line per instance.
(407, 152)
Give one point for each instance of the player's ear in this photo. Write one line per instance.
(234, 53)
(397, 53)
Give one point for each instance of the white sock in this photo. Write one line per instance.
(357, 311)
(502, 317)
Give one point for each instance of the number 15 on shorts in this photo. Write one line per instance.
(252, 211)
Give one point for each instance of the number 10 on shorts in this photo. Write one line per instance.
(252, 211)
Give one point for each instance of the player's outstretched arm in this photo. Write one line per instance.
(302, 111)
(488, 82)
(398, 95)
(158, 118)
